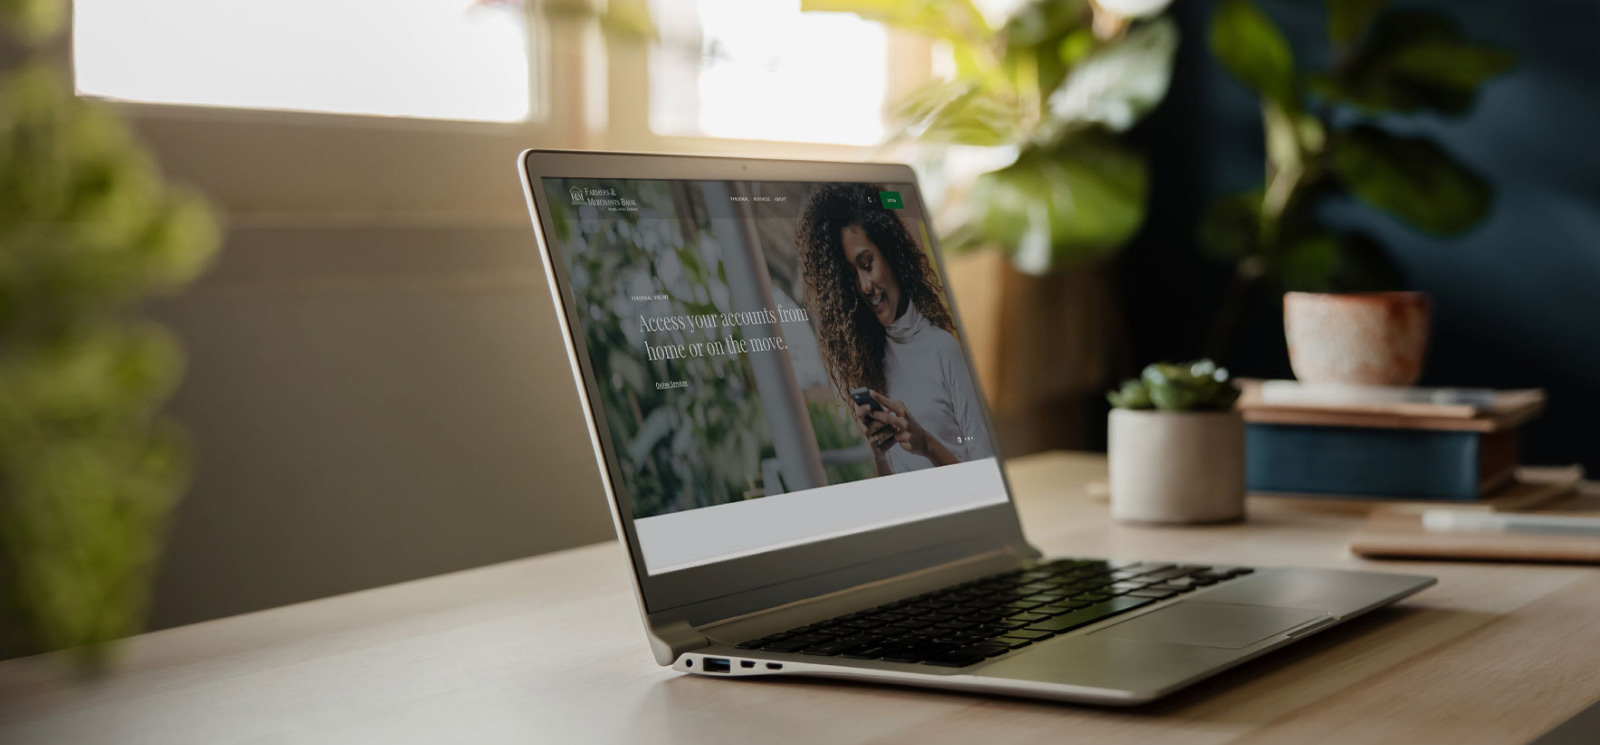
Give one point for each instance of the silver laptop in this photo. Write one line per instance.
(802, 466)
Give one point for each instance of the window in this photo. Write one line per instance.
(441, 59)
(761, 69)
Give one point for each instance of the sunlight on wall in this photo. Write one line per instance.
(761, 69)
(442, 59)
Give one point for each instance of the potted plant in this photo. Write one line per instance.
(1331, 134)
(1028, 172)
(89, 469)
(1177, 446)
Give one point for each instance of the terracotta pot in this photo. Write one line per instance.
(1177, 466)
(1377, 338)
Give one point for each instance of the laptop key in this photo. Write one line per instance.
(1152, 593)
(916, 653)
(1028, 617)
(1091, 614)
(864, 653)
(954, 659)
(788, 646)
(1014, 642)
(1121, 587)
(1171, 587)
(1067, 606)
(986, 648)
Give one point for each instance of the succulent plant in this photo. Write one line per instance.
(1191, 386)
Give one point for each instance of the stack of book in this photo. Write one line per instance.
(1419, 445)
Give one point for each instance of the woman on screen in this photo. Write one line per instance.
(883, 327)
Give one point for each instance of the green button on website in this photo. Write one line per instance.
(891, 200)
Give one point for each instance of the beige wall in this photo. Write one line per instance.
(371, 405)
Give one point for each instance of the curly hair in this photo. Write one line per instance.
(851, 338)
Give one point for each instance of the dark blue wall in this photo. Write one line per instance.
(1517, 299)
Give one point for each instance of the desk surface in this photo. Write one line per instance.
(548, 650)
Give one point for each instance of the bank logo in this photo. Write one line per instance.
(589, 196)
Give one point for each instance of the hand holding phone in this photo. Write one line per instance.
(871, 414)
(863, 397)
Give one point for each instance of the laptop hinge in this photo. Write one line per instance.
(673, 638)
(1022, 549)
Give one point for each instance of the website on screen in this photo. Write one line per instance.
(776, 362)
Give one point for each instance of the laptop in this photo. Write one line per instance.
(802, 467)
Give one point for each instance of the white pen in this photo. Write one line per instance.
(1449, 521)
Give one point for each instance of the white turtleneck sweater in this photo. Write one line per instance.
(923, 368)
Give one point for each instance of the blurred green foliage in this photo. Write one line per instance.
(1054, 84)
(1322, 141)
(88, 467)
(1192, 386)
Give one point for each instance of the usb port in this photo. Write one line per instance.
(716, 665)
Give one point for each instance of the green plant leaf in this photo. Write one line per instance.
(957, 22)
(959, 112)
(1230, 230)
(1326, 261)
(1410, 177)
(1364, 266)
(940, 19)
(1252, 47)
(1309, 264)
(1045, 21)
(33, 20)
(1348, 19)
(1120, 82)
(1414, 60)
(1033, 38)
(1132, 395)
(1068, 203)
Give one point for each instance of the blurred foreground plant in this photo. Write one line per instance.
(88, 469)
(1050, 88)
(1323, 142)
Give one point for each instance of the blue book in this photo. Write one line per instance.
(1449, 465)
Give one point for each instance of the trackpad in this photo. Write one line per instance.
(1202, 624)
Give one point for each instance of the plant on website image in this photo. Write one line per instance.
(682, 448)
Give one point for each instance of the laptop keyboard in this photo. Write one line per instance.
(973, 621)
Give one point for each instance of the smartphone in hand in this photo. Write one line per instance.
(864, 397)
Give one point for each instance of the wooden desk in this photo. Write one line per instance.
(548, 650)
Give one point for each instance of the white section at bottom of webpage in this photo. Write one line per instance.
(681, 540)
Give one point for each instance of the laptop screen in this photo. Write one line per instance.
(776, 363)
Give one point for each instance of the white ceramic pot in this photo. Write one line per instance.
(1177, 466)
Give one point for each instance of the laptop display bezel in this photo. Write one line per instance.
(766, 579)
